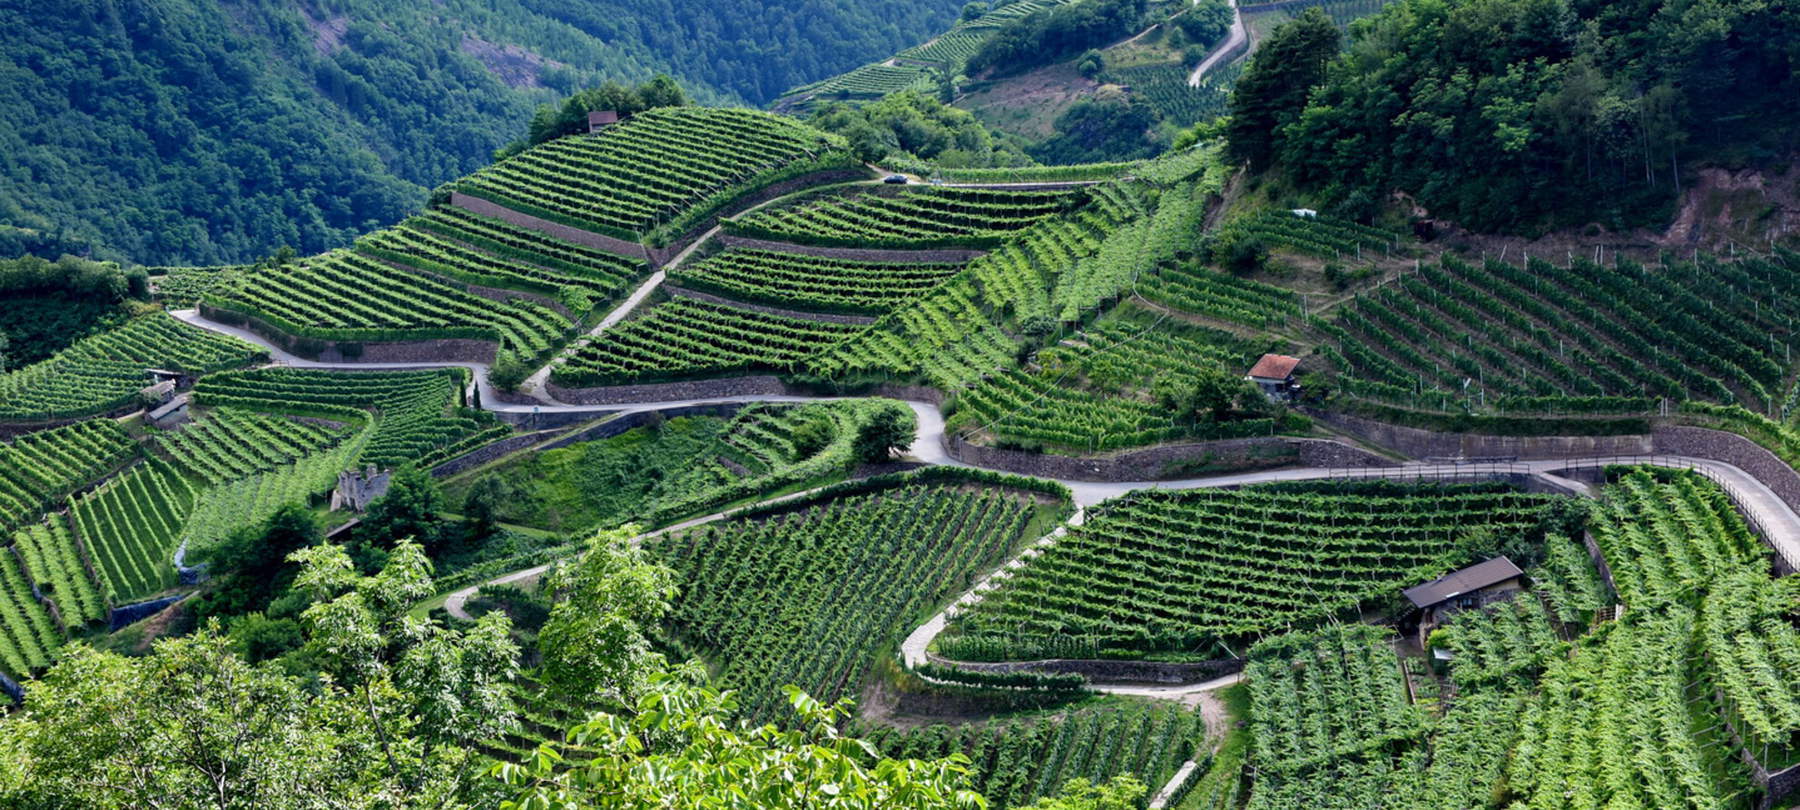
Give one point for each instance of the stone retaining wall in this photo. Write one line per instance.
(10, 430)
(1421, 443)
(1735, 450)
(636, 419)
(546, 420)
(129, 614)
(445, 350)
(1108, 671)
(823, 317)
(489, 452)
(759, 385)
(500, 294)
(892, 256)
(662, 256)
(610, 244)
(1170, 460)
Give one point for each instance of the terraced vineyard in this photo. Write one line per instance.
(233, 444)
(1333, 700)
(1101, 389)
(685, 338)
(808, 596)
(106, 371)
(54, 564)
(1575, 339)
(912, 218)
(814, 283)
(39, 468)
(1211, 294)
(250, 500)
(181, 287)
(542, 253)
(351, 297)
(1198, 571)
(954, 335)
(915, 68)
(1017, 762)
(870, 82)
(1619, 713)
(1165, 88)
(1320, 235)
(130, 525)
(420, 415)
(658, 173)
(28, 635)
(427, 250)
(757, 453)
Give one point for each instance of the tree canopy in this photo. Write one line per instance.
(1523, 114)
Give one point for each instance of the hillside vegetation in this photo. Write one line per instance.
(1521, 114)
(216, 131)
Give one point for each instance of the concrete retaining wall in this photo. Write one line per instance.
(1108, 671)
(894, 256)
(1421, 443)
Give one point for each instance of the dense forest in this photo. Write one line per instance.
(212, 131)
(1522, 114)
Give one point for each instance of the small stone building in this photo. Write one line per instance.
(601, 119)
(355, 490)
(1471, 588)
(1274, 374)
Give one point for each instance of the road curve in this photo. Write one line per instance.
(1232, 40)
(1778, 520)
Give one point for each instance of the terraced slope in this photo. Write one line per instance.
(106, 371)
(812, 283)
(1544, 338)
(684, 338)
(658, 173)
(420, 415)
(38, 468)
(1199, 571)
(911, 218)
(807, 597)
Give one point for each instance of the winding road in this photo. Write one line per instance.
(1233, 41)
(1778, 521)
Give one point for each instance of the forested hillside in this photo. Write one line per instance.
(210, 131)
(1521, 114)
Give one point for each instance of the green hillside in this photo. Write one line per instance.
(215, 131)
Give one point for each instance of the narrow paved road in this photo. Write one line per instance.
(1777, 518)
(1779, 522)
(1232, 41)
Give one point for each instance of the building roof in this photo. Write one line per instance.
(1457, 583)
(602, 117)
(1274, 367)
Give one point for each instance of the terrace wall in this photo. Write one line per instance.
(931, 256)
(1169, 460)
(447, 350)
(1106, 670)
(613, 245)
(1735, 450)
(823, 317)
(1421, 443)
(661, 256)
(759, 385)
